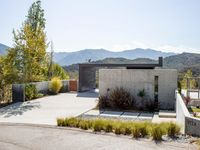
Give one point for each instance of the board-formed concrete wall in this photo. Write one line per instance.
(135, 80)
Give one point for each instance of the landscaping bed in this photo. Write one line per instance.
(142, 129)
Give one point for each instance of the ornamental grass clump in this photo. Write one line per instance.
(108, 127)
(157, 132)
(83, 124)
(118, 130)
(137, 129)
(144, 129)
(173, 129)
(55, 85)
(60, 122)
(98, 125)
(72, 122)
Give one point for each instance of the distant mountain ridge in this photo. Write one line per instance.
(181, 62)
(68, 58)
(3, 49)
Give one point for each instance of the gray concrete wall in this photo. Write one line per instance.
(181, 112)
(87, 78)
(18, 94)
(190, 125)
(135, 80)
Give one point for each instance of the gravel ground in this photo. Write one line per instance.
(25, 137)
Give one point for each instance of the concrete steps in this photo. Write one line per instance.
(167, 114)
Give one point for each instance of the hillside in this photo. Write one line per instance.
(3, 49)
(69, 58)
(181, 62)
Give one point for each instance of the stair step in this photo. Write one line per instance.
(167, 114)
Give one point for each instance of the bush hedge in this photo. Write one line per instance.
(137, 129)
(31, 92)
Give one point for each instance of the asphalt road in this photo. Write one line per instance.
(32, 137)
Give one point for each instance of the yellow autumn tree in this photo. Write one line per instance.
(26, 61)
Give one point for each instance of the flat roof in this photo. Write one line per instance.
(128, 66)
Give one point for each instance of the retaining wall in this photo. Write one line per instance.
(190, 125)
(18, 92)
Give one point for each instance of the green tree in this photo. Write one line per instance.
(27, 61)
(192, 82)
(36, 16)
(58, 71)
(5, 89)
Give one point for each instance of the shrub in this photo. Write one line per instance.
(118, 129)
(120, 98)
(84, 125)
(157, 132)
(98, 125)
(187, 100)
(150, 105)
(126, 129)
(102, 102)
(141, 93)
(30, 91)
(136, 131)
(60, 121)
(72, 122)
(173, 129)
(55, 85)
(108, 127)
(144, 129)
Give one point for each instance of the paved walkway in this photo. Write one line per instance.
(45, 110)
(165, 116)
(118, 115)
(24, 137)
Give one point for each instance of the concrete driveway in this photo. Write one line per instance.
(45, 110)
(26, 137)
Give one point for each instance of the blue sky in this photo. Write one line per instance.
(167, 25)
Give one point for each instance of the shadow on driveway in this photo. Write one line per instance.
(92, 94)
(18, 109)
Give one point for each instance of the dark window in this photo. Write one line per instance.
(156, 88)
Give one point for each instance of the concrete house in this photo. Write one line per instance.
(159, 83)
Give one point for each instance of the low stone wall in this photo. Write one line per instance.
(18, 92)
(190, 125)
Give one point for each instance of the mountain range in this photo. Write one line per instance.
(181, 62)
(3, 49)
(68, 58)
